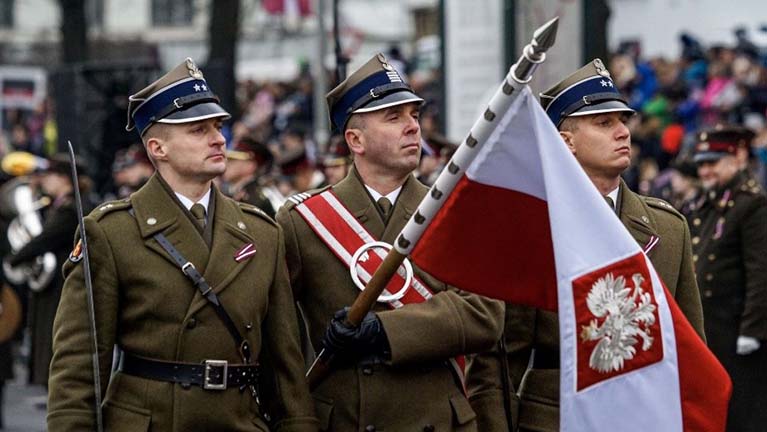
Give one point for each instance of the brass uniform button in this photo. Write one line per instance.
(694, 258)
(695, 240)
(709, 277)
(711, 257)
(708, 293)
(696, 222)
(192, 323)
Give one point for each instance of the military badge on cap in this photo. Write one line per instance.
(384, 63)
(77, 252)
(601, 69)
(194, 71)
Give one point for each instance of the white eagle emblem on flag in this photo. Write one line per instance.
(626, 315)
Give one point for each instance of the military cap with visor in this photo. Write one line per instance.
(337, 154)
(180, 96)
(589, 90)
(251, 149)
(374, 86)
(721, 140)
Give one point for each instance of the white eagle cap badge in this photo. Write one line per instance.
(192, 68)
(384, 63)
(601, 69)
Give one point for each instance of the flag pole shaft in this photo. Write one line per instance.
(519, 75)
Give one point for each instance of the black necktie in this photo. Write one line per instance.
(198, 211)
(385, 205)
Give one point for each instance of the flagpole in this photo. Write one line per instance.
(518, 77)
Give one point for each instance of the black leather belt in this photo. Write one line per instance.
(210, 374)
(545, 359)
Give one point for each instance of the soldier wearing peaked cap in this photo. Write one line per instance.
(189, 284)
(249, 161)
(590, 114)
(400, 370)
(729, 228)
(337, 160)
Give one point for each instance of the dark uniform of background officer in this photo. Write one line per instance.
(729, 228)
(180, 368)
(590, 115)
(391, 373)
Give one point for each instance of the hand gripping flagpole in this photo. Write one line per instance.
(88, 290)
(518, 77)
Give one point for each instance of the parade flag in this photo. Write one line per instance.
(526, 225)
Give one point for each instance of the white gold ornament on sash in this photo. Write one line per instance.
(361, 256)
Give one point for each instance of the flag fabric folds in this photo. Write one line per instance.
(526, 225)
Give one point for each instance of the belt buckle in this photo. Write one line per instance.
(213, 382)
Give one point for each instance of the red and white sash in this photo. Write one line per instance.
(344, 235)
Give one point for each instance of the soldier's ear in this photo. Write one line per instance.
(355, 140)
(155, 148)
(567, 137)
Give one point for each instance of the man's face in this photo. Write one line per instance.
(601, 143)
(335, 173)
(719, 172)
(391, 138)
(53, 184)
(194, 150)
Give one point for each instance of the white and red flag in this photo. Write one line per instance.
(525, 224)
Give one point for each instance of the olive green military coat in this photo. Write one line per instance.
(416, 390)
(536, 404)
(729, 229)
(146, 306)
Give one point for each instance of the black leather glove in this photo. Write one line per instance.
(369, 338)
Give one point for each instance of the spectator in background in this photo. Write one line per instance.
(337, 160)
(130, 170)
(437, 150)
(247, 162)
(299, 173)
(56, 237)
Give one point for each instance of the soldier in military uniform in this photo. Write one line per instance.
(248, 161)
(729, 228)
(189, 284)
(130, 170)
(590, 115)
(336, 161)
(392, 372)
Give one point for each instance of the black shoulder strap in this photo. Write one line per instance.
(243, 347)
(207, 291)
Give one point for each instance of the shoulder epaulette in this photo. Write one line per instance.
(663, 205)
(248, 208)
(751, 186)
(300, 197)
(108, 207)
